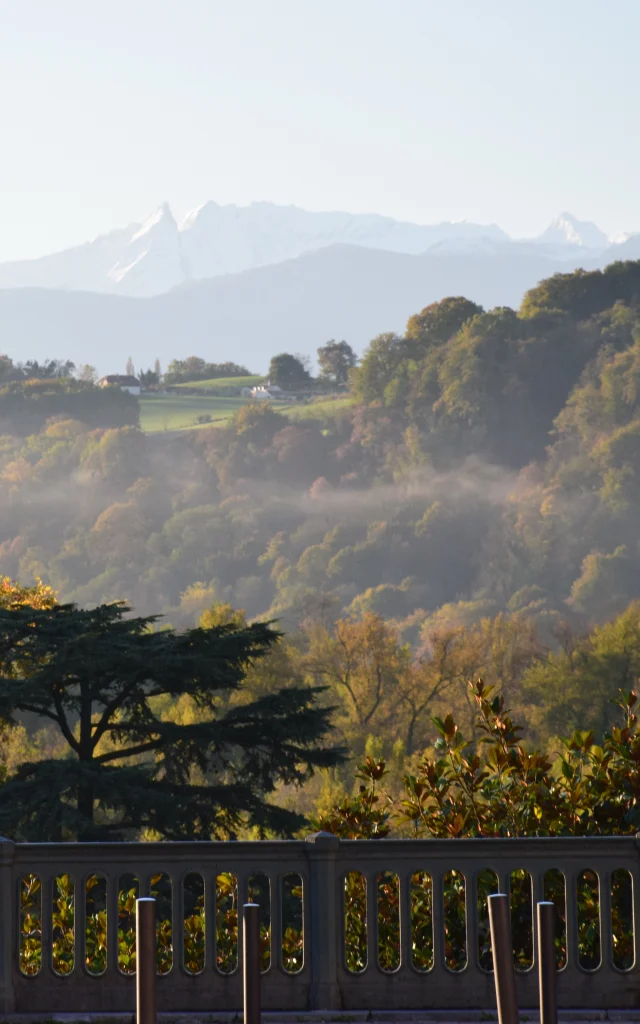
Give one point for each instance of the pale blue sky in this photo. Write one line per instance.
(492, 110)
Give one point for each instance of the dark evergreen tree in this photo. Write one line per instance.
(288, 371)
(101, 677)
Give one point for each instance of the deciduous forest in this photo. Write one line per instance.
(473, 514)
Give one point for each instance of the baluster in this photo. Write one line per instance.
(606, 925)
(438, 919)
(372, 919)
(48, 886)
(571, 911)
(177, 911)
(276, 897)
(306, 924)
(241, 897)
(80, 921)
(471, 918)
(635, 890)
(504, 882)
(537, 896)
(113, 885)
(404, 902)
(243, 890)
(537, 884)
(209, 907)
(242, 881)
(504, 886)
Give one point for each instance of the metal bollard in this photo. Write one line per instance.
(547, 972)
(251, 962)
(502, 949)
(146, 969)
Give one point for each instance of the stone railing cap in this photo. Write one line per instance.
(7, 847)
(323, 839)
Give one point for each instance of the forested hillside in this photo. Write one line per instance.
(483, 494)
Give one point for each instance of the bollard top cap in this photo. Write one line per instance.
(145, 899)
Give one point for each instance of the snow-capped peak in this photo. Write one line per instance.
(208, 208)
(156, 255)
(568, 230)
(152, 261)
(161, 217)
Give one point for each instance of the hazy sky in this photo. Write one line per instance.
(491, 110)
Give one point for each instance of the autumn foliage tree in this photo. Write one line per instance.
(389, 690)
(361, 661)
(500, 786)
(13, 596)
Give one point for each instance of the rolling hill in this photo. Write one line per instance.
(340, 291)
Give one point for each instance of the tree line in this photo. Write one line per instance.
(221, 729)
(336, 359)
(203, 732)
(28, 405)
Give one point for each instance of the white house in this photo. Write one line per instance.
(270, 391)
(120, 380)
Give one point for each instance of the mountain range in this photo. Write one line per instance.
(154, 256)
(243, 283)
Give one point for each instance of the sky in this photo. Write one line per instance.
(495, 111)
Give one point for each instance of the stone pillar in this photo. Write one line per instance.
(325, 910)
(8, 926)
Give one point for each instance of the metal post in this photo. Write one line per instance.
(146, 967)
(547, 972)
(502, 949)
(251, 962)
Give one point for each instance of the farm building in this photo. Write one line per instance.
(120, 380)
(266, 391)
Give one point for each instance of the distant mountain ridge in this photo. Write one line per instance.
(158, 254)
(339, 291)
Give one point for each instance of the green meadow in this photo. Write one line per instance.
(181, 412)
(224, 382)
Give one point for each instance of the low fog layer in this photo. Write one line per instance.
(488, 463)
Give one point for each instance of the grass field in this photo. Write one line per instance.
(318, 410)
(180, 412)
(225, 382)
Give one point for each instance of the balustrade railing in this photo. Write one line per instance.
(350, 925)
